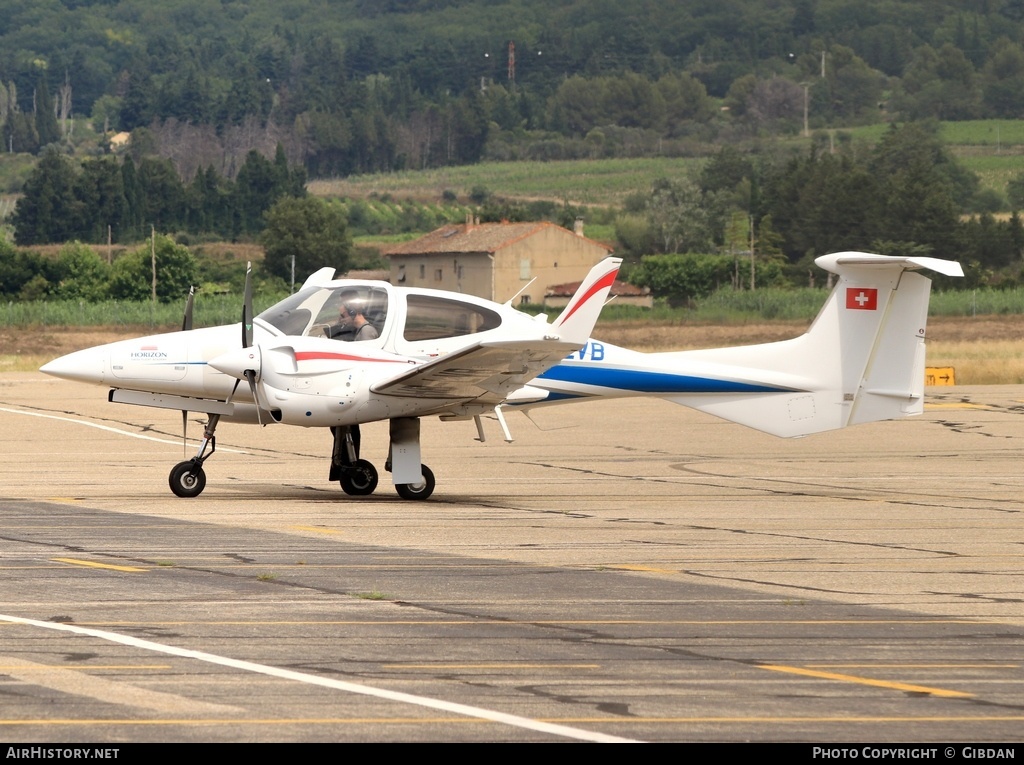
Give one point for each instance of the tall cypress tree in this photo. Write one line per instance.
(46, 121)
(47, 208)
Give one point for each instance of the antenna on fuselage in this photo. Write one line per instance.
(521, 291)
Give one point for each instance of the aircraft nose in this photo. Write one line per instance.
(88, 366)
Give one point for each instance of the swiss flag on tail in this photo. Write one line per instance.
(862, 298)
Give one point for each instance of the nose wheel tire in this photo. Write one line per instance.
(187, 479)
(359, 478)
(420, 490)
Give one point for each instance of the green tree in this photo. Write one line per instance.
(208, 203)
(136, 106)
(163, 196)
(1003, 80)
(100, 193)
(132, 274)
(47, 129)
(311, 230)
(854, 87)
(20, 133)
(919, 184)
(1015, 191)
(259, 184)
(82, 274)
(686, 101)
(46, 211)
(134, 197)
(677, 216)
(578, 104)
(939, 83)
(682, 279)
(19, 267)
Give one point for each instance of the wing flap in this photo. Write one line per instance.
(486, 373)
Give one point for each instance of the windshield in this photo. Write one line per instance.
(292, 315)
(324, 311)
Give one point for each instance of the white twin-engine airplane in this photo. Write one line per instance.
(432, 352)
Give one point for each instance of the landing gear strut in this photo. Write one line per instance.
(187, 478)
(413, 479)
(358, 477)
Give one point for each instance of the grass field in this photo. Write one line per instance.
(581, 182)
(991, 148)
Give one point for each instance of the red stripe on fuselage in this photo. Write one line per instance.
(326, 356)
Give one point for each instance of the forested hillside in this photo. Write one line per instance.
(232, 106)
(355, 86)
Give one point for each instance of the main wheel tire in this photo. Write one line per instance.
(359, 478)
(187, 479)
(421, 490)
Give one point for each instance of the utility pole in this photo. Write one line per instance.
(152, 258)
(807, 87)
(752, 287)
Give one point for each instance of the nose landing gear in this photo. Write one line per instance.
(187, 479)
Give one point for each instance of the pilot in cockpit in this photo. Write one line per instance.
(353, 324)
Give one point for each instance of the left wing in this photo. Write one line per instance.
(487, 372)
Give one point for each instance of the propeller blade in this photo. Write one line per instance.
(247, 308)
(186, 321)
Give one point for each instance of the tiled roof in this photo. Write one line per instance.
(380, 275)
(479, 237)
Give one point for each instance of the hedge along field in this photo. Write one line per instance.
(208, 311)
(724, 306)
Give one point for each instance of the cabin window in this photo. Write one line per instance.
(429, 318)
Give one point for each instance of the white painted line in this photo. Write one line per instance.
(302, 677)
(109, 429)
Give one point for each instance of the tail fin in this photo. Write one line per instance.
(862, 359)
(577, 319)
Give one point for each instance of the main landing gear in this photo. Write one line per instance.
(358, 477)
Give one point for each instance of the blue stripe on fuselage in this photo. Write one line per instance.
(650, 382)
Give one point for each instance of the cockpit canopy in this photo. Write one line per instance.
(406, 315)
